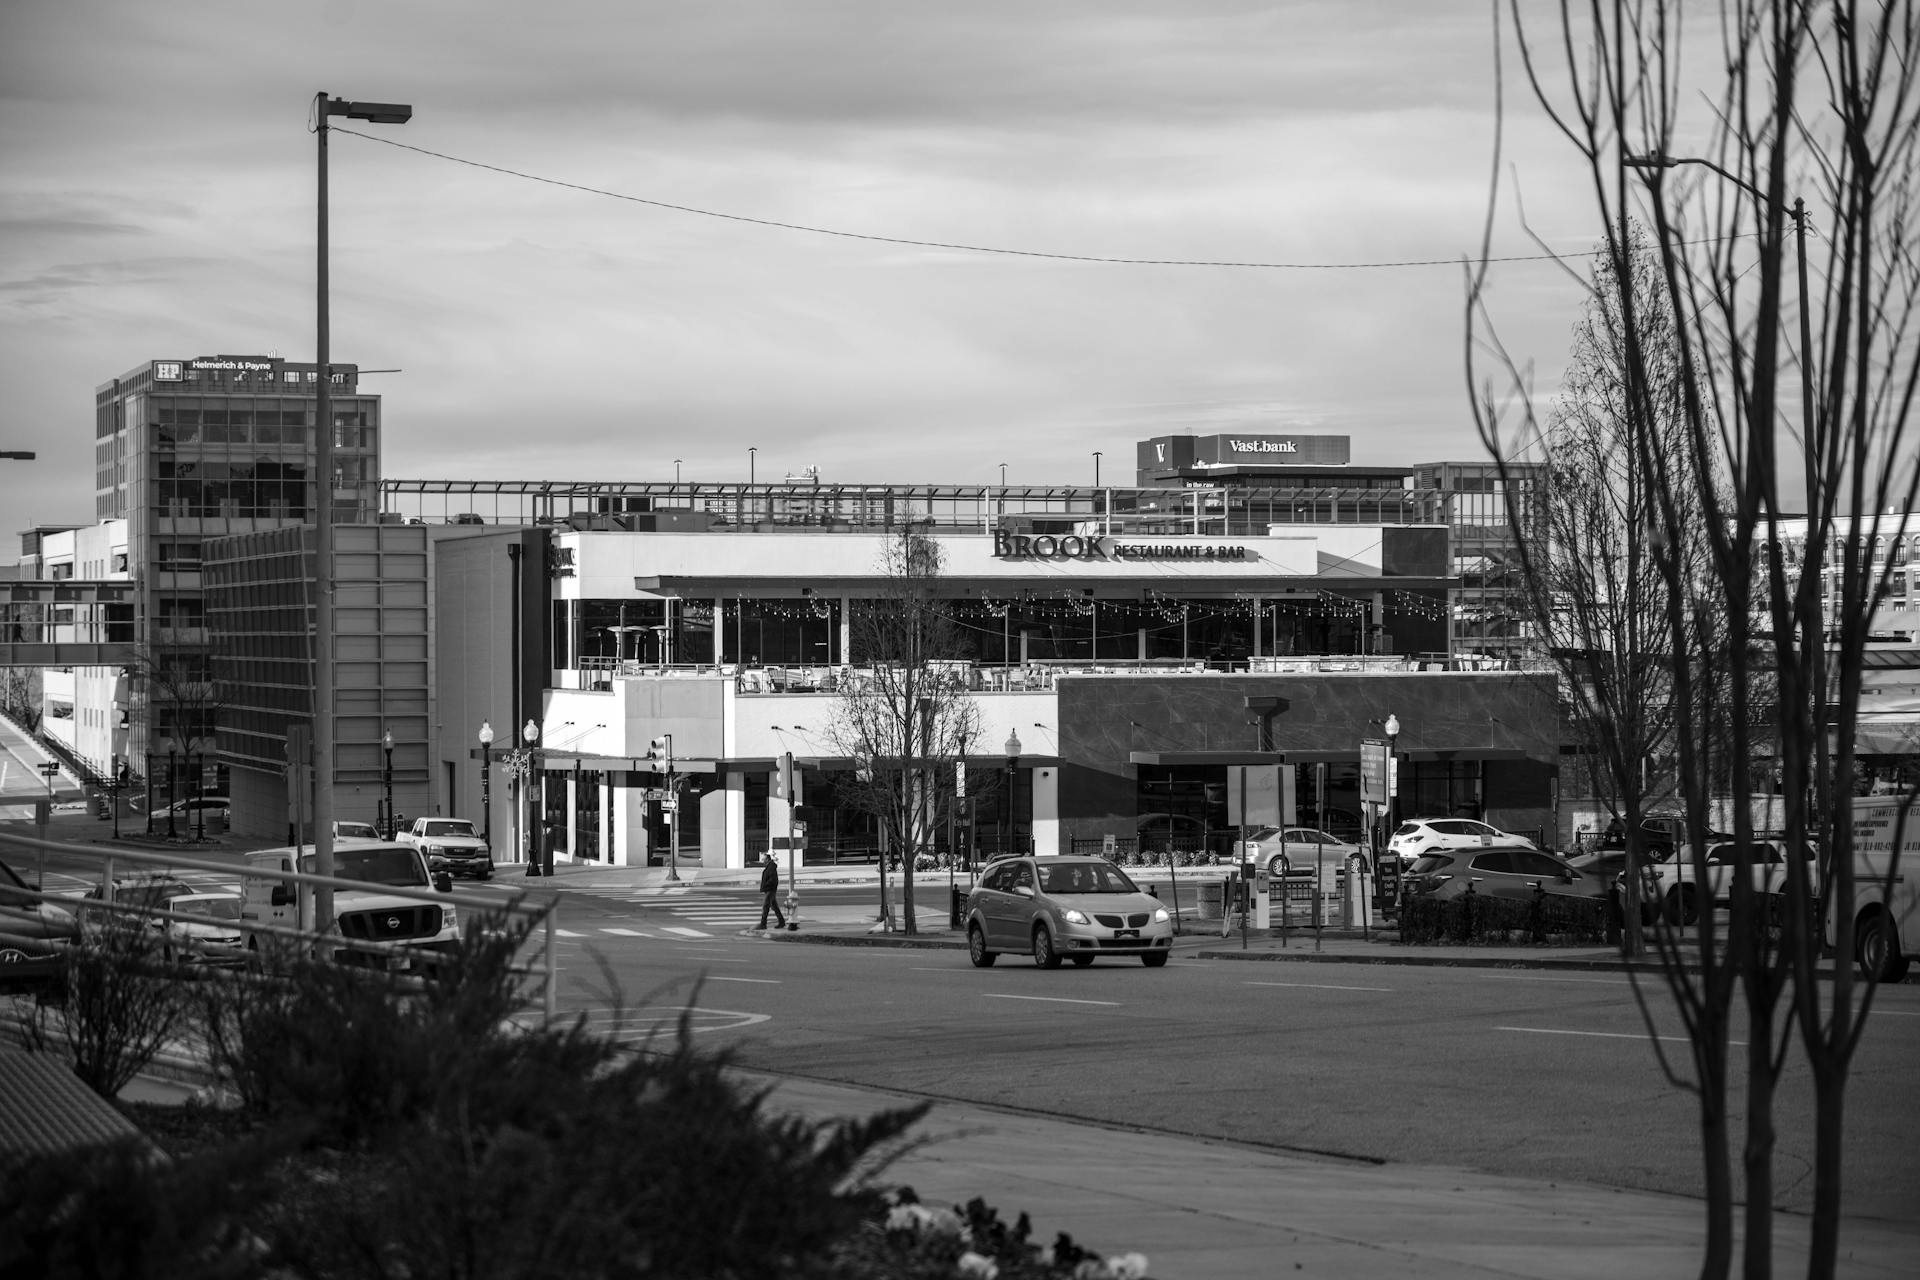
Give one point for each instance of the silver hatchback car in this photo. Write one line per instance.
(1064, 908)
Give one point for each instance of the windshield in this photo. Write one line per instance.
(212, 908)
(378, 866)
(1085, 877)
(357, 830)
(458, 828)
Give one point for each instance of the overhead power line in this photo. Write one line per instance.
(945, 244)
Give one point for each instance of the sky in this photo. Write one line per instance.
(157, 200)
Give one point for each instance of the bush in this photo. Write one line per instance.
(1543, 919)
(116, 1008)
(394, 1128)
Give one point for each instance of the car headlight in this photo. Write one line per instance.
(1071, 916)
(434, 850)
(1160, 915)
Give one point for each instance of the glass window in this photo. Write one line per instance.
(1499, 862)
(1022, 876)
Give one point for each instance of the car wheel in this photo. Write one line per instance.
(1682, 909)
(977, 948)
(1879, 950)
(1275, 868)
(1043, 953)
(1153, 959)
(1081, 962)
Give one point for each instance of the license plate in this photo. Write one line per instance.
(1126, 933)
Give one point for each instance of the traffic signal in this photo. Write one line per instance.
(660, 752)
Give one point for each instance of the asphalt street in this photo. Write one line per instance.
(1550, 1076)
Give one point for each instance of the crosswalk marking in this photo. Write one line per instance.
(626, 933)
(567, 933)
(690, 933)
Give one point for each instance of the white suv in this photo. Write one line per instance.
(1423, 835)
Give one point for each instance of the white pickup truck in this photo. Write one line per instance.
(452, 846)
(407, 929)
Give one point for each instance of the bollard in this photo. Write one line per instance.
(953, 907)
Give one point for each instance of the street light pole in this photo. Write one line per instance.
(386, 776)
(1798, 212)
(323, 676)
(1096, 468)
(530, 734)
(486, 783)
(1013, 788)
(1392, 726)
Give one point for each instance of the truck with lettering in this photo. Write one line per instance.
(1886, 887)
(370, 928)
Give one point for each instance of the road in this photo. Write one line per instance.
(1520, 1072)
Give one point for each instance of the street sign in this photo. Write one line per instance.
(656, 793)
(670, 803)
(1373, 771)
(50, 768)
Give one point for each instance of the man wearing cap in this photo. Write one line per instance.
(770, 890)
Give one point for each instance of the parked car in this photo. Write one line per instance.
(1610, 866)
(134, 897)
(1660, 835)
(1685, 893)
(1303, 848)
(212, 936)
(1056, 908)
(1344, 823)
(34, 934)
(1514, 871)
(452, 846)
(1416, 836)
(196, 809)
(344, 830)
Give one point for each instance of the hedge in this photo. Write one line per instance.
(1544, 919)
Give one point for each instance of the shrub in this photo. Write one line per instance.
(116, 1008)
(1543, 919)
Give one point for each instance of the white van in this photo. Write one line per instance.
(1886, 889)
(364, 915)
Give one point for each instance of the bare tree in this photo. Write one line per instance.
(1810, 120)
(182, 706)
(906, 718)
(1587, 554)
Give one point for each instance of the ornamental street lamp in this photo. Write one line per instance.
(386, 745)
(486, 783)
(1013, 787)
(530, 734)
(1392, 727)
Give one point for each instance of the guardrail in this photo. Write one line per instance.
(544, 914)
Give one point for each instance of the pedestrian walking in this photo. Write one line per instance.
(770, 891)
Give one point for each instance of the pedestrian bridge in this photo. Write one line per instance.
(67, 622)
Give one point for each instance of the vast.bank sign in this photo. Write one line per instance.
(1072, 546)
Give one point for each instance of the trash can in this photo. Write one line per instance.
(953, 908)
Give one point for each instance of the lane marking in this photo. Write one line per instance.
(721, 960)
(1528, 977)
(1314, 986)
(721, 977)
(994, 995)
(1609, 1035)
(567, 933)
(682, 929)
(626, 933)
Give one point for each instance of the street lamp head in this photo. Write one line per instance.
(486, 733)
(373, 112)
(386, 739)
(1392, 726)
(530, 732)
(1013, 743)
